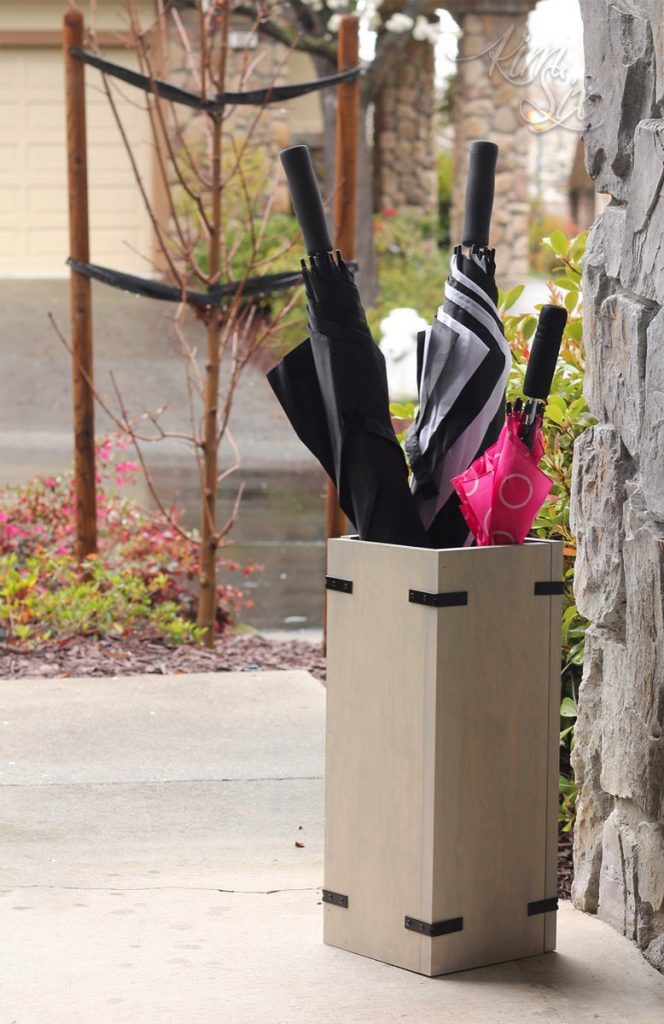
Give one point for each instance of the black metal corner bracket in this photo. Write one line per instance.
(337, 899)
(333, 583)
(448, 599)
(543, 906)
(453, 924)
(549, 588)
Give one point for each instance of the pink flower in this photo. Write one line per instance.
(14, 531)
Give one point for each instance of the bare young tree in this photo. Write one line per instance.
(219, 181)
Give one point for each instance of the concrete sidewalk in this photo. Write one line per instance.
(149, 872)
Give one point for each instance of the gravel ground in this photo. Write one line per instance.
(89, 656)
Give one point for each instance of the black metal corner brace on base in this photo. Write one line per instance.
(337, 899)
(453, 924)
(334, 583)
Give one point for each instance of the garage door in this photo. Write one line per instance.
(33, 197)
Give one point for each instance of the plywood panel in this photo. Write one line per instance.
(492, 713)
(551, 866)
(378, 743)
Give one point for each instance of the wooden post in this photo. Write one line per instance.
(345, 177)
(80, 298)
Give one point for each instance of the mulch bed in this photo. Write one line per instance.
(92, 656)
(250, 652)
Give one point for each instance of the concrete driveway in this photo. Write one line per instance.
(133, 338)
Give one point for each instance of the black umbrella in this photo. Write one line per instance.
(463, 365)
(333, 387)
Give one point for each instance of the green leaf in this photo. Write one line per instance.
(570, 301)
(510, 297)
(575, 330)
(559, 242)
(554, 413)
(528, 329)
(568, 708)
(578, 246)
(402, 410)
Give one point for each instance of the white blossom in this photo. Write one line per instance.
(337, 5)
(399, 23)
(426, 31)
(334, 23)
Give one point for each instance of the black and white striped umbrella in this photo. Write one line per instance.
(463, 365)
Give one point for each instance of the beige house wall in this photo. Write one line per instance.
(33, 200)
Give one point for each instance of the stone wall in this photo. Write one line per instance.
(618, 490)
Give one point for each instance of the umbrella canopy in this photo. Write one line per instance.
(503, 490)
(465, 362)
(333, 388)
(465, 365)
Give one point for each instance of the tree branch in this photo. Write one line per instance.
(291, 37)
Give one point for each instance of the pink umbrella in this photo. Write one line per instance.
(503, 490)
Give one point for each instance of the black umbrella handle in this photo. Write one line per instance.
(544, 352)
(306, 198)
(480, 186)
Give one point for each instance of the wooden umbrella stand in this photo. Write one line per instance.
(441, 790)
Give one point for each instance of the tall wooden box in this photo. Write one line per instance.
(443, 696)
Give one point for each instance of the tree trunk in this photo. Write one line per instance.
(207, 597)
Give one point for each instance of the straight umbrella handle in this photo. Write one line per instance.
(306, 198)
(480, 186)
(544, 352)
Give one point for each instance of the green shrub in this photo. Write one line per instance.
(565, 418)
(411, 267)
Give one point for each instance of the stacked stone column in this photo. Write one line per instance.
(618, 491)
(405, 164)
(487, 105)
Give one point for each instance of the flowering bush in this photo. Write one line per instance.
(143, 580)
